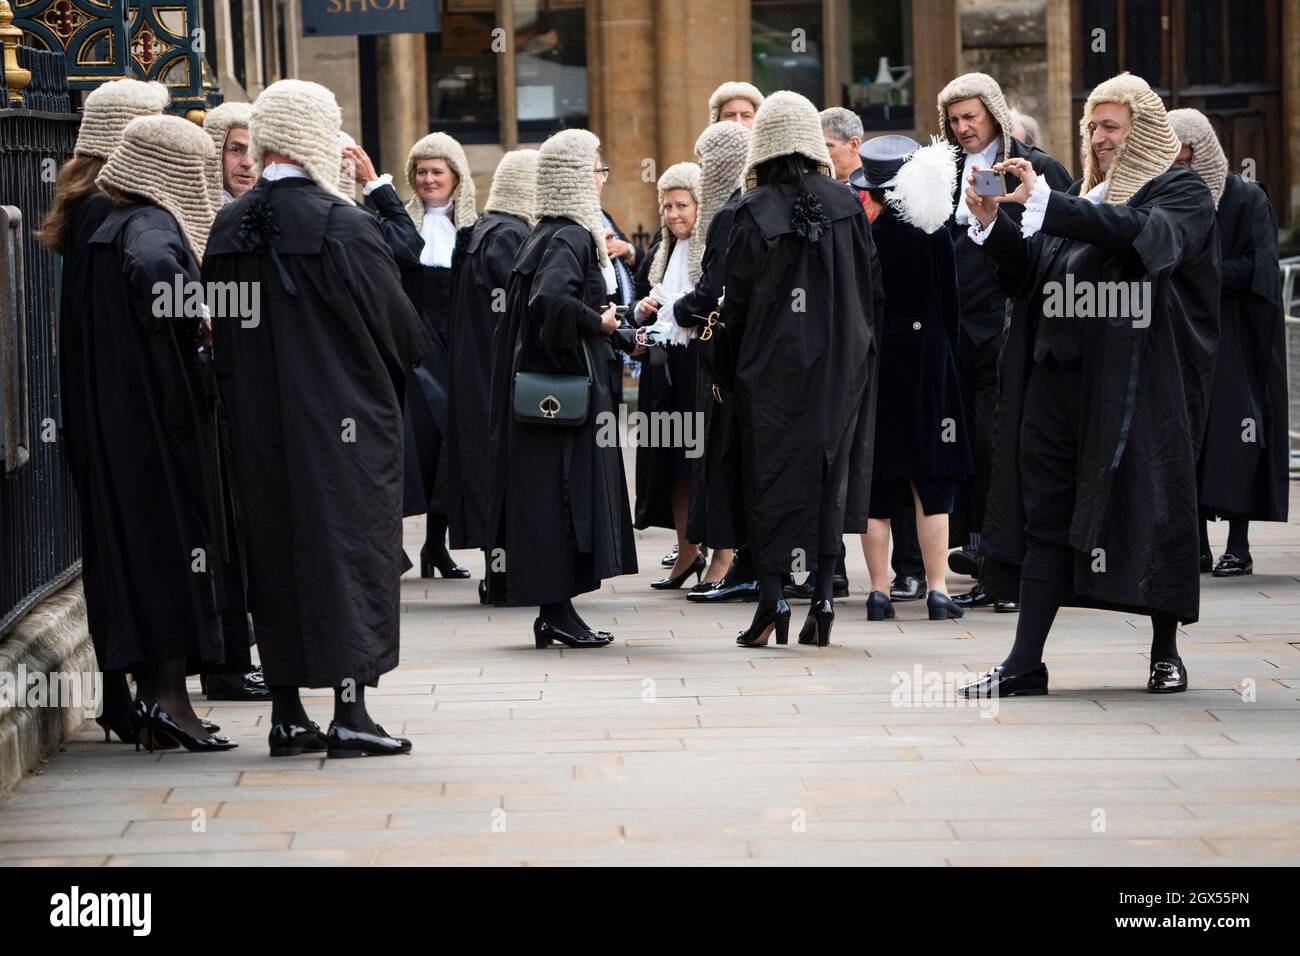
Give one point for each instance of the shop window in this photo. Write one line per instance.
(550, 66)
(462, 70)
(787, 44)
(878, 84)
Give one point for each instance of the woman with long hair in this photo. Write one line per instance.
(802, 316)
(78, 210)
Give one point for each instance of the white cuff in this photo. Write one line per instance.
(1032, 219)
(977, 232)
(384, 180)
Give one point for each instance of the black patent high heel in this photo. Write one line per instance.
(817, 627)
(545, 632)
(161, 722)
(777, 619)
(443, 563)
(879, 607)
(671, 584)
(942, 607)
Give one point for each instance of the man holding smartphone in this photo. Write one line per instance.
(974, 117)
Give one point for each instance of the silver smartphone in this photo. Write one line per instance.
(990, 183)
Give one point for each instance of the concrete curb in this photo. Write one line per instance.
(54, 637)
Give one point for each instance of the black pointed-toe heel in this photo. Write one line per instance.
(290, 740)
(159, 721)
(673, 583)
(817, 627)
(775, 621)
(143, 732)
(545, 632)
(122, 726)
(942, 607)
(879, 607)
(995, 684)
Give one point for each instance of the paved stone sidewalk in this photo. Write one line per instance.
(675, 746)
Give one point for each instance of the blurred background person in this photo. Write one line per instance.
(735, 101)
(1244, 468)
(422, 236)
(668, 378)
(230, 171)
(482, 276)
(921, 448)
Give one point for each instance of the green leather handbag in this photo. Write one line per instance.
(560, 401)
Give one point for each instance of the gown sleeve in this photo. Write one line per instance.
(395, 225)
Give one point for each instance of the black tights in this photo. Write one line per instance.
(1238, 538)
(163, 683)
(1040, 598)
(349, 707)
(563, 615)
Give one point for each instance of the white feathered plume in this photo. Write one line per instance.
(923, 194)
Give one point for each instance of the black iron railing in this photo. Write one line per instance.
(40, 535)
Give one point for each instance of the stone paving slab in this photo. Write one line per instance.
(675, 746)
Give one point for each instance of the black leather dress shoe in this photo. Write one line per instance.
(804, 592)
(1167, 677)
(289, 740)
(975, 597)
(345, 742)
(1231, 566)
(724, 591)
(994, 684)
(1006, 606)
(941, 607)
(907, 588)
(964, 561)
(544, 633)
(250, 686)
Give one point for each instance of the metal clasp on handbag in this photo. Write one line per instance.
(710, 322)
(549, 406)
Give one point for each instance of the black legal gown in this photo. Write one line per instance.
(1245, 461)
(1148, 393)
(667, 387)
(558, 498)
(140, 448)
(920, 423)
(802, 311)
(77, 399)
(482, 275)
(426, 405)
(716, 517)
(313, 392)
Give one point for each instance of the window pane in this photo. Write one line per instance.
(879, 85)
(1142, 40)
(784, 59)
(1203, 35)
(462, 73)
(1099, 51)
(1248, 21)
(550, 66)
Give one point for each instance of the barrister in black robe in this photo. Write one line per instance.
(716, 518)
(479, 297)
(1245, 460)
(428, 284)
(799, 313)
(314, 393)
(1100, 417)
(559, 502)
(144, 457)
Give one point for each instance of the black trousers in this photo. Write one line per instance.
(977, 379)
(906, 556)
(1050, 437)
